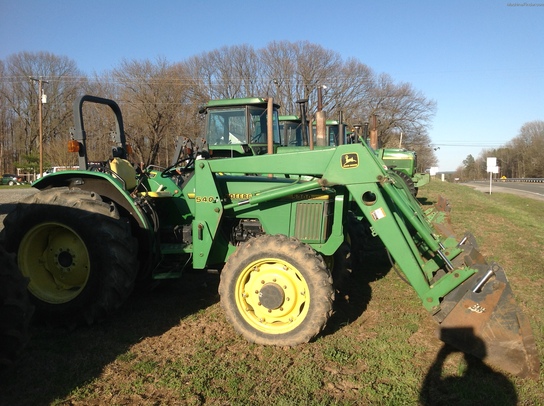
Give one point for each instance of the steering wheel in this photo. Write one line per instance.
(172, 169)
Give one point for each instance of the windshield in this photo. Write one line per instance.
(259, 126)
(292, 133)
(226, 127)
(230, 126)
(332, 134)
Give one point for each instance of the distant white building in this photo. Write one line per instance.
(56, 169)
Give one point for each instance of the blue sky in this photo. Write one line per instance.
(481, 61)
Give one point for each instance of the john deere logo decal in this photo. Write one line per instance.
(350, 161)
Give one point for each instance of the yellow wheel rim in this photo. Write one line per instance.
(272, 296)
(56, 261)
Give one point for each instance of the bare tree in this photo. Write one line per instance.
(523, 156)
(20, 99)
(289, 71)
(225, 73)
(293, 71)
(400, 108)
(351, 91)
(530, 142)
(6, 133)
(160, 100)
(278, 61)
(151, 95)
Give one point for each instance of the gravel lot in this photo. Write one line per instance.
(9, 197)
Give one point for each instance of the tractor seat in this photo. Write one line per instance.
(125, 171)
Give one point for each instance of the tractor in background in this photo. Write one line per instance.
(404, 162)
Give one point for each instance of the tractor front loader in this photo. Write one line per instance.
(90, 235)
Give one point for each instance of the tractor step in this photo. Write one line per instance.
(175, 248)
(174, 261)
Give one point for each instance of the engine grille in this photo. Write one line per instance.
(313, 221)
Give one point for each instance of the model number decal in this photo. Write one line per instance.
(205, 199)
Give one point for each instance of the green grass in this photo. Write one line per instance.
(173, 346)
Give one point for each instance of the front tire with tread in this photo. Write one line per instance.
(276, 290)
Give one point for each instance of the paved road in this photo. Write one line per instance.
(530, 190)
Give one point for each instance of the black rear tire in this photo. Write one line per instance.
(77, 252)
(276, 290)
(15, 310)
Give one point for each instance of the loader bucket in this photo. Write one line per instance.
(487, 323)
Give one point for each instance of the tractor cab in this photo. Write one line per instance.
(291, 131)
(334, 129)
(240, 127)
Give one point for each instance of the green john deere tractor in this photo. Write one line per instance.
(89, 235)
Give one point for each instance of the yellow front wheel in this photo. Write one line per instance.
(276, 290)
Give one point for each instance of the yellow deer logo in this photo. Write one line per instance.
(350, 161)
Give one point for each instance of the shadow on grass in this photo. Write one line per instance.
(353, 297)
(474, 384)
(58, 361)
(425, 201)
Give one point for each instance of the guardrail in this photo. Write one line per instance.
(529, 180)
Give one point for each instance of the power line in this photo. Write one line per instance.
(468, 144)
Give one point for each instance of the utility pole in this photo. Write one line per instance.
(42, 98)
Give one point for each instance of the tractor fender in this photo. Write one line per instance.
(112, 190)
(106, 186)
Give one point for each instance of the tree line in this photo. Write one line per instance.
(522, 157)
(160, 99)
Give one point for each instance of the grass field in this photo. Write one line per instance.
(172, 345)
